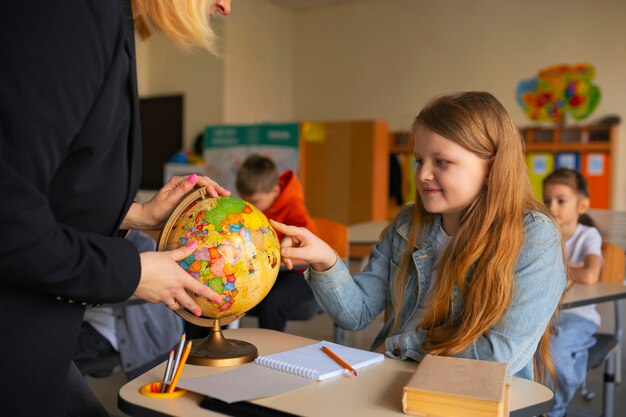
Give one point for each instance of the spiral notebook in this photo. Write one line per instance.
(311, 362)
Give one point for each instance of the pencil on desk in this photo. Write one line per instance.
(181, 365)
(338, 359)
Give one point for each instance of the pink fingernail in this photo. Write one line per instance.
(192, 245)
(197, 313)
(192, 178)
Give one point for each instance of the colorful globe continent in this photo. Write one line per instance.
(237, 253)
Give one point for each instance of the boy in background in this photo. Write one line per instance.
(280, 198)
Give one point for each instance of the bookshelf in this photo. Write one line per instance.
(400, 143)
(594, 138)
(589, 149)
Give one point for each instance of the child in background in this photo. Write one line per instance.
(473, 269)
(280, 198)
(566, 194)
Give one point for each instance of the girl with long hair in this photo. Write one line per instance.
(566, 194)
(473, 269)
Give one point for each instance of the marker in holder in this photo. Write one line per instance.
(153, 390)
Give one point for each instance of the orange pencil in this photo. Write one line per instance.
(338, 359)
(179, 370)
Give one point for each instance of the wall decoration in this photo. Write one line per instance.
(558, 91)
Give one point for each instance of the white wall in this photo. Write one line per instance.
(373, 59)
(163, 68)
(251, 82)
(259, 64)
(384, 60)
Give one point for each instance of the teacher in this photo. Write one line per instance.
(70, 164)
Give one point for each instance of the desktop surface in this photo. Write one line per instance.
(377, 391)
(580, 294)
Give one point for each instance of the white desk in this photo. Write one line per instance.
(376, 392)
(580, 294)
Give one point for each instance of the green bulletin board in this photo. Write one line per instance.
(227, 146)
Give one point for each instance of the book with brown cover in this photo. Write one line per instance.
(447, 386)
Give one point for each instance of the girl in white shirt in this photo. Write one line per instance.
(566, 194)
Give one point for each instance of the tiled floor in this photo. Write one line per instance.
(321, 327)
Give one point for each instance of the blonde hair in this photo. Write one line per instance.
(186, 22)
(491, 231)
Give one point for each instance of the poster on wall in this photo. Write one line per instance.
(227, 146)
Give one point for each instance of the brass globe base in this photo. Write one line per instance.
(216, 350)
(236, 353)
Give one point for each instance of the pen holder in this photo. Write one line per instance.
(153, 390)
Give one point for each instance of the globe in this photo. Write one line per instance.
(237, 255)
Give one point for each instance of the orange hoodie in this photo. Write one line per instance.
(289, 207)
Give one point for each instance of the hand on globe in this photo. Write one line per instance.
(153, 214)
(237, 253)
(301, 244)
(163, 280)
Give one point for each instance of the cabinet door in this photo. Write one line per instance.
(596, 167)
(569, 160)
(540, 164)
(347, 172)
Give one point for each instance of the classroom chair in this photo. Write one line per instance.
(608, 345)
(336, 235)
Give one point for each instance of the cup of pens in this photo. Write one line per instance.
(174, 368)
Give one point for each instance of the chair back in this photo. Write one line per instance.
(333, 233)
(612, 271)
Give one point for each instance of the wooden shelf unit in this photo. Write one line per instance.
(400, 142)
(585, 140)
(593, 138)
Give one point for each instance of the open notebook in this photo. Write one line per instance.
(311, 362)
(279, 373)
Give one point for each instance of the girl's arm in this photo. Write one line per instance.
(353, 302)
(589, 272)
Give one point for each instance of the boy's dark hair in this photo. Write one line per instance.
(257, 174)
(574, 180)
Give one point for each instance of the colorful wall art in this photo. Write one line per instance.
(558, 91)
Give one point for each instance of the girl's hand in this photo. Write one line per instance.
(153, 214)
(300, 244)
(163, 280)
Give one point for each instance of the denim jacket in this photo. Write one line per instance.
(355, 301)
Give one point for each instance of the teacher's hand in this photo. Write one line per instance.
(153, 214)
(163, 280)
(300, 243)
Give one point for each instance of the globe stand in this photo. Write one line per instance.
(215, 349)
